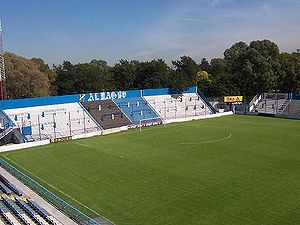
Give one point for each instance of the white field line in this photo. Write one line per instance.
(206, 142)
(75, 200)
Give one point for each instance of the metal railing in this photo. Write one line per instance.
(60, 204)
(6, 132)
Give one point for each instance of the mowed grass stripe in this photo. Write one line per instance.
(149, 177)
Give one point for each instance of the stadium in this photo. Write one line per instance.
(150, 166)
(148, 143)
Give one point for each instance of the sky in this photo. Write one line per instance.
(82, 30)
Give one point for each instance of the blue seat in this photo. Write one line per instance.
(29, 210)
(39, 209)
(137, 109)
(5, 189)
(11, 186)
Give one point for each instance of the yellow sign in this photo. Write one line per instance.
(233, 98)
(54, 140)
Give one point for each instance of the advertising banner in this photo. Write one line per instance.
(233, 98)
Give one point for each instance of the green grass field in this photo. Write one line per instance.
(238, 170)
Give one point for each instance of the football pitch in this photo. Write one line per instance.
(241, 170)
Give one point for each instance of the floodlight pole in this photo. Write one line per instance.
(3, 94)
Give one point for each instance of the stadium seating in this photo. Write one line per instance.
(10, 186)
(33, 214)
(106, 113)
(23, 217)
(270, 105)
(178, 106)
(292, 108)
(138, 110)
(5, 189)
(52, 121)
(60, 118)
(16, 211)
(8, 215)
(43, 213)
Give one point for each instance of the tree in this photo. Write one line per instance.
(233, 54)
(185, 74)
(66, 78)
(153, 74)
(203, 81)
(124, 74)
(50, 73)
(83, 77)
(290, 72)
(24, 79)
(267, 49)
(204, 65)
(252, 67)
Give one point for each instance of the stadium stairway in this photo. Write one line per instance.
(138, 110)
(106, 113)
(292, 108)
(207, 103)
(8, 132)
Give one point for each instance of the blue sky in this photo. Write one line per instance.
(80, 30)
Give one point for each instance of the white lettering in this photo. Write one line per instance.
(81, 96)
(113, 95)
(102, 94)
(119, 94)
(96, 96)
(91, 98)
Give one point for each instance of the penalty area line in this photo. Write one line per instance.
(206, 142)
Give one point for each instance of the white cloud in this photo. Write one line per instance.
(215, 2)
(194, 30)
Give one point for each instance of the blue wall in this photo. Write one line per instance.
(296, 96)
(109, 95)
(166, 91)
(30, 102)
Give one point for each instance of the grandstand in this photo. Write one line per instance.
(178, 106)
(271, 103)
(51, 121)
(35, 119)
(292, 108)
(279, 104)
(106, 113)
(137, 109)
(16, 209)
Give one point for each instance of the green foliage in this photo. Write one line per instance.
(124, 74)
(25, 78)
(83, 77)
(185, 173)
(289, 77)
(153, 74)
(245, 70)
(203, 80)
(50, 73)
(185, 73)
